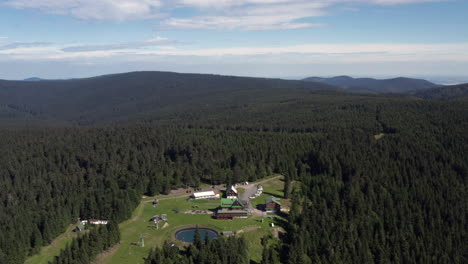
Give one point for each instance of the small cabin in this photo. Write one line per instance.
(227, 233)
(232, 193)
(79, 228)
(272, 204)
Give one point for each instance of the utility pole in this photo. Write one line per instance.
(142, 236)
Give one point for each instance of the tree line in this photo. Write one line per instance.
(84, 249)
(221, 250)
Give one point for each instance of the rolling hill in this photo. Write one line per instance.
(125, 96)
(395, 85)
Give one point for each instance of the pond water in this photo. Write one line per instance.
(188, 234)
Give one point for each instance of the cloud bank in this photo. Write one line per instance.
(205, 14)
(157, 41)
(16, 45)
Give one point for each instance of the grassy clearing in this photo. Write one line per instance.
(379, 136)
(48, 253)
(130, 251)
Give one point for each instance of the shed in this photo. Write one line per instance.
(79, 228)
(227, 233)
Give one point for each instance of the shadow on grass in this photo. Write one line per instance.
(281, 222)
(273, 194)
(261, 207)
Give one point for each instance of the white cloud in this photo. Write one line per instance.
(205, 14)
(157, 41)
(16, 45)
(295, 54)
(257, 17)
(117, 10)
(399, 2)
(297, 60)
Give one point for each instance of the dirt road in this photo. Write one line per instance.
(250, 190)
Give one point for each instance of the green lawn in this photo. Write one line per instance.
(275, 188)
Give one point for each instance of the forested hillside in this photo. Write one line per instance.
(394, 85)
(452, 92)
(136, 95)
(396, 198)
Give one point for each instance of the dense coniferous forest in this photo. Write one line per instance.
(446, 93)
(379, 178)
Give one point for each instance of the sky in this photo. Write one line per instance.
(266, 38)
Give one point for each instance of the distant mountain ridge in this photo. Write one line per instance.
(459, 92)
(394, 85)
(127, 96)
(34, 79)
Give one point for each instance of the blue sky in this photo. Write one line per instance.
(269, 38)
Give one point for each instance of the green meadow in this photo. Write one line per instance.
(130, 249)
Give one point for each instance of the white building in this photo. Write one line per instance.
(97, 222)
(206, 195)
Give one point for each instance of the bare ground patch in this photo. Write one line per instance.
(248, 229)
(278, 231)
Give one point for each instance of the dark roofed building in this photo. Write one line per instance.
(232, 204)
(231, 208)
(272, 204)
(232, 193)
(230, 214)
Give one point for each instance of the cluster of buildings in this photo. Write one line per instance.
(233, 207)
(82, 224)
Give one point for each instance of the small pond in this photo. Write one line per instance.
(188, 234)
